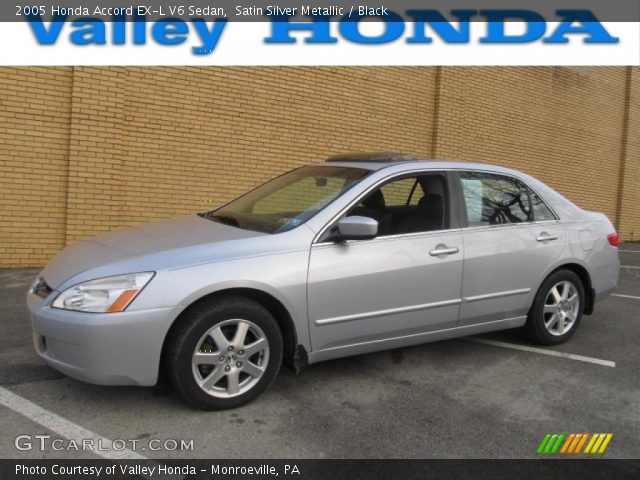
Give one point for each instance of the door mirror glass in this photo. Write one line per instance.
(357, 228)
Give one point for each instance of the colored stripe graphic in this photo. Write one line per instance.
(551, 442)
(604, 445)
(596, 447)
(599, 443)
(591, 443)
(554, 449)
(567, 442)
(572, 443)
(584, 439)
(543, 443)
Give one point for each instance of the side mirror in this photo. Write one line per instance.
(357, 228)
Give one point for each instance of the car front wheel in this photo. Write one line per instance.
(224, 353)
(557, 309)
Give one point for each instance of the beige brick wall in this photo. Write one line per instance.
(562, 125)
(35, 108)
(629, 216)
(197, 137)
(97, 152)
(90, 149)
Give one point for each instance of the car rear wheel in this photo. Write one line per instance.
(557, 309)
(224, 353)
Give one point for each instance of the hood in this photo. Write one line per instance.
(141, 241)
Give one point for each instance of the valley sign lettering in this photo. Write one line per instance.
(421, 27)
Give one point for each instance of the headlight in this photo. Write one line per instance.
(109, 294)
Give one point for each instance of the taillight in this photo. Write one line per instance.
(613, 239)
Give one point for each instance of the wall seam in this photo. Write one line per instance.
(436, 112)
(623, 150)
(70, 142)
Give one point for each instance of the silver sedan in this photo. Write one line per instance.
(361, 253)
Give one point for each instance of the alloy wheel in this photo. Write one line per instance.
(230, 358)
(561, 308)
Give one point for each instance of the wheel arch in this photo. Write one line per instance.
(585, 277)
(294, 354)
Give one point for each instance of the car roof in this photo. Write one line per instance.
(399, 163)
(407, 161)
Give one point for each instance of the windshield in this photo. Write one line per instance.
(289, 200)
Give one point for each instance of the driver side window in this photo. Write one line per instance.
(409, 204)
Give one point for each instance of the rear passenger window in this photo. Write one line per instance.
(495, 199)
(541, 212)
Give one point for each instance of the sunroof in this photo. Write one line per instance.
(373, 157)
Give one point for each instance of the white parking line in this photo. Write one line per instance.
(625, 296)
(72, 431)
(630, 251)
(64, 427)
(542, 351)
(629, 266)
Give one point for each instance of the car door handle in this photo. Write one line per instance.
(443, 250)
(545, 237)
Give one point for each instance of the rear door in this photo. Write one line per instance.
(511, 238)
(404, 282)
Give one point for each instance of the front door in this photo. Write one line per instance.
(406, 281)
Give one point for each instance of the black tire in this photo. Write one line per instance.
(188, 332)
(535, 329)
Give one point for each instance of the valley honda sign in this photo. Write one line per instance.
(310, 34)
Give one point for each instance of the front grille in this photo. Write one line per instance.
(42, 289)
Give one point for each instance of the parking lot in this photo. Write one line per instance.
(464, 398)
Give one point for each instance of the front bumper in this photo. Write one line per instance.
(106, 349)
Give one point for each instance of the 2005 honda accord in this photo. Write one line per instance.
(361, 253)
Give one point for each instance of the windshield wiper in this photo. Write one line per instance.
(227, 220)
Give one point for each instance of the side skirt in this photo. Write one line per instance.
(415, 339)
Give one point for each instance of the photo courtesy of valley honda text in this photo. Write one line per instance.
(300, 240)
